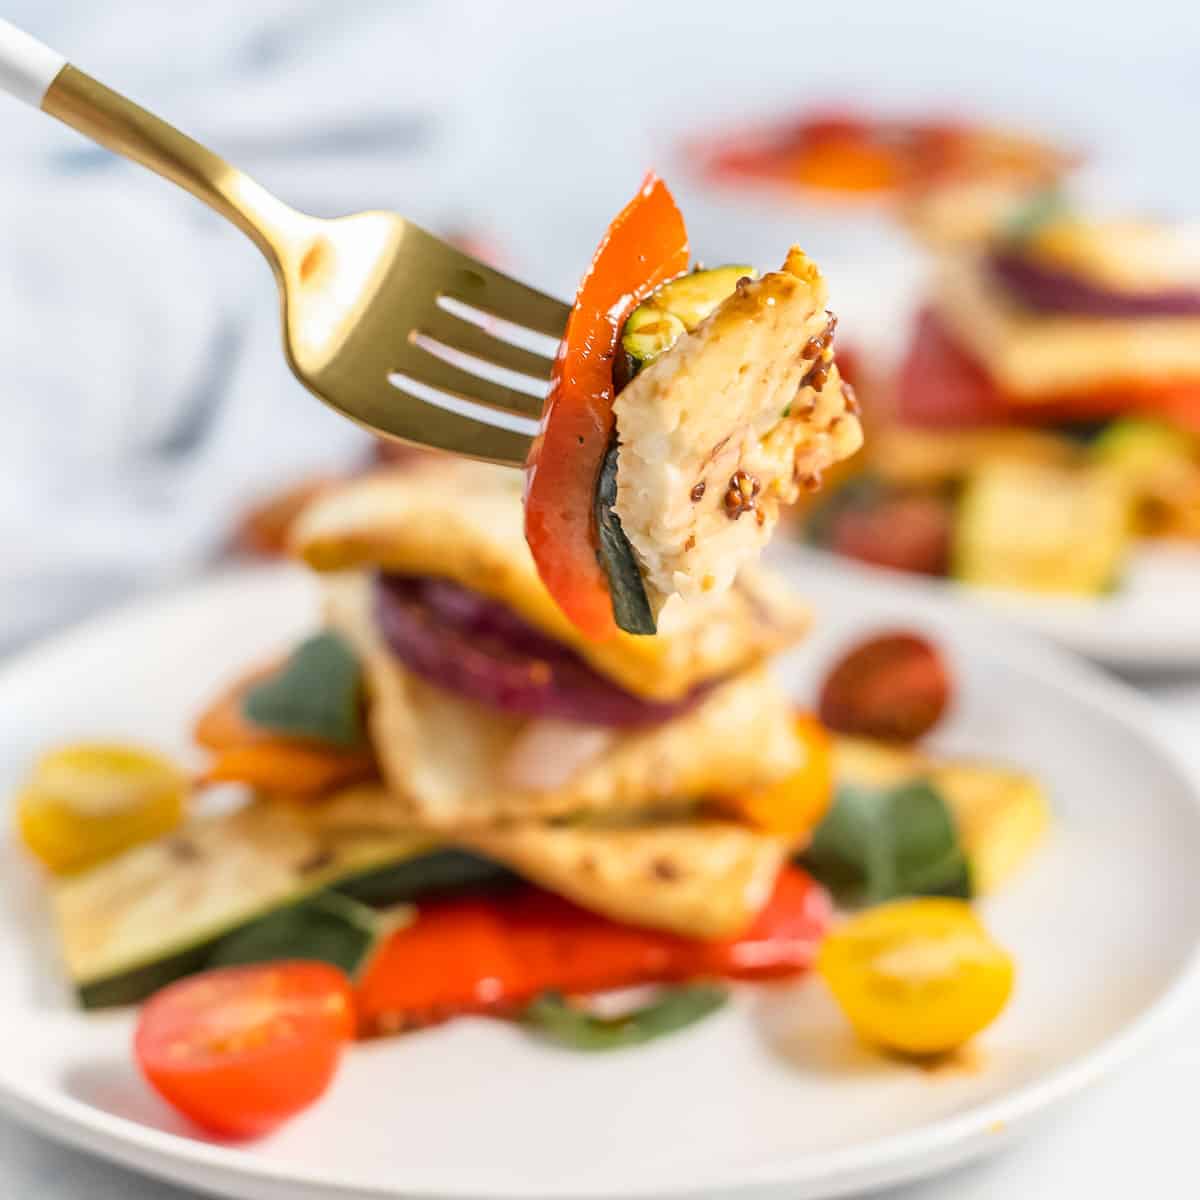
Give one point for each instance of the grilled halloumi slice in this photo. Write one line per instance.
(736, 418)
(134, 923)
(451, 762)
(703, 879)
(699, 878)
(463, 521)
(1032, 355)
(1001, 814)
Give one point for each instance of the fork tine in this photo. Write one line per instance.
(506, 298)
(426, 368)
(457, 334)
(420, 423)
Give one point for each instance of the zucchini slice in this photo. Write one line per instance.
(1042, 529)
(132, 924)
(650, 330)
(675, 309)
(631, 607)
(326, 927)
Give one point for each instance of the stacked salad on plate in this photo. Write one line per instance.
(1046, 417)
(482, 789)
(950, 179)
(450, 802)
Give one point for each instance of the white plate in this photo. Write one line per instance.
(1152, 623)
(770, 1097)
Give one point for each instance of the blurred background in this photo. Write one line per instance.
(147, 402)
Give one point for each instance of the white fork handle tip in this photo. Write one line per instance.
(27, 67)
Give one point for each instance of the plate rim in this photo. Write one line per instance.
(893, 1159)
(1020, 612)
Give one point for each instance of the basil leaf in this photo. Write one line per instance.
(631, 608)
(316, 694)
(674, 1009)
(329, 928)
(439, 873)
(879, 844)
(1041, 209)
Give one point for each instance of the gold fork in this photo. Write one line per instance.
(386, 323)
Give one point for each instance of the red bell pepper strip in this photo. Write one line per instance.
(644, 247)
(496, 954)
(941, 385)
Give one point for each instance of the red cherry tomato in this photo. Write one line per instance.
(241, 1049)
(906, 533)
(894, 687)
(645, 246)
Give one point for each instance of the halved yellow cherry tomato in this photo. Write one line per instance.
(917, 976)
(795, 805)
(88, 802)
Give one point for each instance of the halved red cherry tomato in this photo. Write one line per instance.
(645, 246)
(241, 1049)
(498, 953)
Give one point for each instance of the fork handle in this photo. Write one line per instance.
(27, 67)
(41, 77)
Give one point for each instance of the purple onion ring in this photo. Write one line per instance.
(1054, 290)
(469, 644)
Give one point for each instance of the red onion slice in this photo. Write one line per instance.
(468, 644)
(1054, 290)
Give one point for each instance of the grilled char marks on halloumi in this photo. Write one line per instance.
(703, 879)
(737, 418)
(696, 877)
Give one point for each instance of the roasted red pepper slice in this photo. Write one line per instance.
(497, 953)
(644, 247)
(941, 385)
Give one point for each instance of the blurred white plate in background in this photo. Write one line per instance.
(772, 1097)
(1151, 623)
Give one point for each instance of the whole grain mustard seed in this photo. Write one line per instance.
(741, 495)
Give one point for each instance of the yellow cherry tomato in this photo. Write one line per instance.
(917, 976)
(88, 802)
(795, 805)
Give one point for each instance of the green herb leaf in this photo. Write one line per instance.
(875, 845)
(631, 608)
(1042, 209)
(438, 873)
(316, 694)
(328, 927)
(674, 1009)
